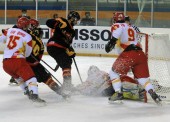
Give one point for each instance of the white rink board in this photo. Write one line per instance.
(91, 39)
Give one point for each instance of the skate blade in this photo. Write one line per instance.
(159, 103)
(116, 102)
(66, 97)
(13, 84)
(39, 104)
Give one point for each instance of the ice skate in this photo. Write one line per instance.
(63, 93)
(116, 98)
(142, 94)
(27, 93)
(67, 87)
(13, 82)
(155, 97)
(36, 100)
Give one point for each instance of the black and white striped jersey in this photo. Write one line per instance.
(136, 28)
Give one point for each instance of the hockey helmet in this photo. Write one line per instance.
(23, 23)
(73, 14)
(118, 17)
(34, 24)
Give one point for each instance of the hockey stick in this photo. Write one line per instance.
(77, 70)
(52, 75)
(48, 71)
(55, 69)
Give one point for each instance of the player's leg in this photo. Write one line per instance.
(23, 86)
(45, 77)
(65, 62)
(120, 66)
(141, 72)
(116, 84)
(20, 68)
(27, 74)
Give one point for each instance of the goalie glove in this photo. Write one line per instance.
(110, 45)
(70, 52)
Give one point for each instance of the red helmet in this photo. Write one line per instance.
(23, 23)
(34, 23)
(118, 17)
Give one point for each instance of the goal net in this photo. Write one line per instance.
(156, 47)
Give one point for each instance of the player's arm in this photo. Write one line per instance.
(111, 44)
(56, 23)
(2, 38)
(3, 35)
(116, 30)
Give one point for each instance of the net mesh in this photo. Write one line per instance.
(157, 47)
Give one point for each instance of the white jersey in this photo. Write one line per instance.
(126, 33)
(18, 43)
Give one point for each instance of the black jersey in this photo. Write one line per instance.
(38, 48)
(61, 26)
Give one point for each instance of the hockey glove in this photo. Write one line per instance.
(110, 45)
(70, 52)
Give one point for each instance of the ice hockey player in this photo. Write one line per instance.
(98, 84)
(59, 45)
(132, 58)
(42, 75)
(18, 47)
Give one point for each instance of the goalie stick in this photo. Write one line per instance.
(77, 70)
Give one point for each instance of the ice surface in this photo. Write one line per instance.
(15, 107)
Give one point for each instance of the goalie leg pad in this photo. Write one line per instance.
(130, 91)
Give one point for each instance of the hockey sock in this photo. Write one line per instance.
(32, 85)
(52, 84)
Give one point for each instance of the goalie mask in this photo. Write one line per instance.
(93, 70)
(74, 17)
